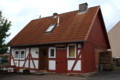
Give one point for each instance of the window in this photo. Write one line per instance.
(62, 47)
(16, 54)
(22, 54)
(52, 52)
(50, 28)
(71, 51)
(44, 53)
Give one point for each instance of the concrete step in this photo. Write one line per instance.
(39, 73)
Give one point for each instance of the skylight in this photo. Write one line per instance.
(51, 28)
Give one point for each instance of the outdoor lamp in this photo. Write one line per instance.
(36, 51)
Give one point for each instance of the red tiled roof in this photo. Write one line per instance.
(72, 27)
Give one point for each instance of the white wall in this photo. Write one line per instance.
(77, 66)
(27, 63)
(36, 63)
(70, 64)
(52, 65)
(12, 62)
(21, 63)
(34, 55)
(27, 52)
(13, 52)
(33, 52)
(31, 64)
(16, 63)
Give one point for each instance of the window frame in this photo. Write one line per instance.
(61, 47)
(24, 53)
(51, 29)
(18, 54)
(68, 50)
(54, 52)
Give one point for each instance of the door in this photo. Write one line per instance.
(43, 59)
(61, 61)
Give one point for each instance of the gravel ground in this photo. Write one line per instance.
(115, 72)
(106, 75)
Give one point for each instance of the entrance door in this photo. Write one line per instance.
(61, 61)
(43, 59)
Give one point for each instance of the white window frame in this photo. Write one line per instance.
(54, 52)
(20, 53)
(61, 47)
(15, 53)
(68, 50)
(51, 27)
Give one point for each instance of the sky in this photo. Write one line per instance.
(21, 12)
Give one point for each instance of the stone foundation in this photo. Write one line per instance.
(74, 74)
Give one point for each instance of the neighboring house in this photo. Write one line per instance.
(114, 37)
(62, 43)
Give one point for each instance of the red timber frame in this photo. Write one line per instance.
(28, 57)
(76, 59)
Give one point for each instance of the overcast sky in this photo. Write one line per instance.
(21, 12)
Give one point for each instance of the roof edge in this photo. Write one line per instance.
(47, 43)
(92, 23)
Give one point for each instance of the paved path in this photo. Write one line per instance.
(37, 77)
(107, 75)
(52, 77)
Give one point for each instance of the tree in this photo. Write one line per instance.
(4, 27)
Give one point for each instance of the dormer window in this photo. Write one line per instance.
(50, 28)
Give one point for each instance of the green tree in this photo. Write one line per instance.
(4, 27)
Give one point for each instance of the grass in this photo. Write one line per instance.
(0, 64)
(116, 67)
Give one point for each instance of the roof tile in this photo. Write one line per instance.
(73, 27)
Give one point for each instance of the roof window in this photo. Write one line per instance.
(50, 28)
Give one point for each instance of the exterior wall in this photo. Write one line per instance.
(96, 34)
(30, 61)
(114, 38)
(89, 57)
(62, 64)
(65, 65)
(96, 41)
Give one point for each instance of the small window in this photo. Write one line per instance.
(22, 54)
(50, 28)
(52, 52)
(71, 51)
(16, 54)
(44, 53)
(62, 47)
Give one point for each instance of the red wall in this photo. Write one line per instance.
(96, 39)
(96, 34)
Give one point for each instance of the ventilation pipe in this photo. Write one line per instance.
(40, 17)
(58, 21)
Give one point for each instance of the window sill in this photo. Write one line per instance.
(51, 57)
(22, 58)
(71, 57)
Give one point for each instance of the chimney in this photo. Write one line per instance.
(83, 7)
(54, 14)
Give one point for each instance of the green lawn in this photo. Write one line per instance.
(116, 67)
